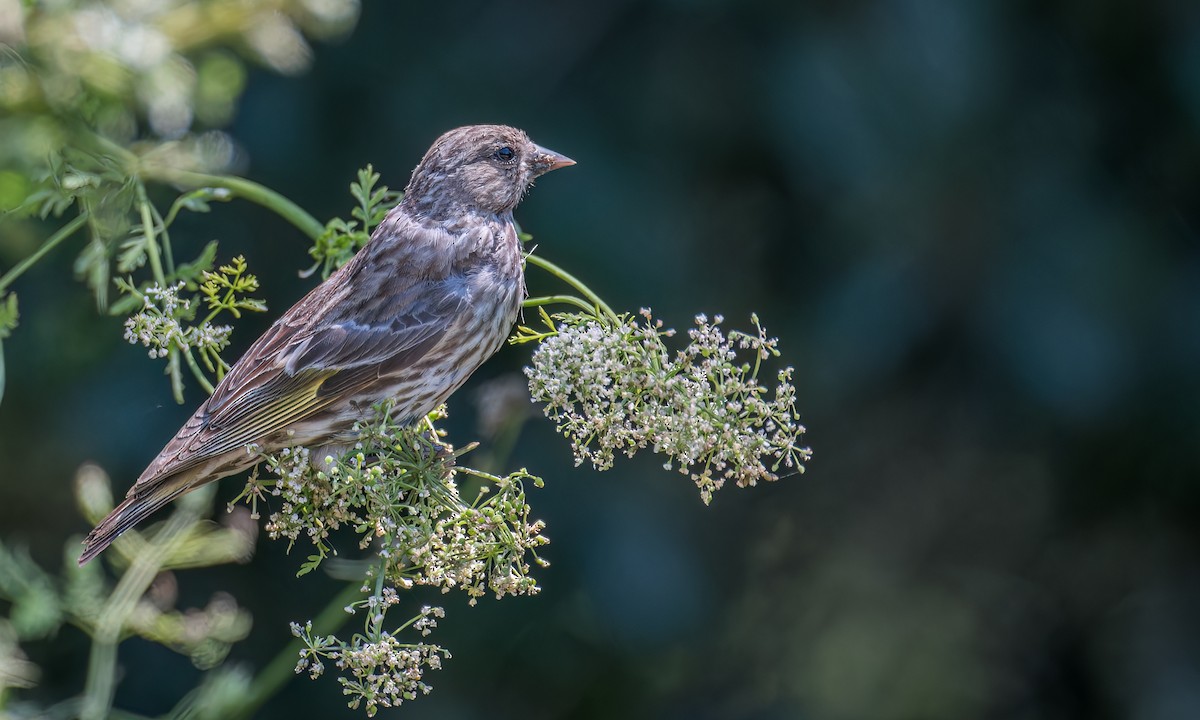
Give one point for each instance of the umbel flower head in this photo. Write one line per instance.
(397, 490)
(378, 670)
(614, 386)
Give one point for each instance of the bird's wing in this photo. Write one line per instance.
(328, 364)
(288, 375)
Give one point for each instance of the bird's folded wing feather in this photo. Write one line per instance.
(287, 376)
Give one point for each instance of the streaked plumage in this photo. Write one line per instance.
(410, 317)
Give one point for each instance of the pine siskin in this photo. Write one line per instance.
(430, 297)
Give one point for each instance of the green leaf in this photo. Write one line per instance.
(132, 251)
(9, 315)
(196, 201)
(92, 267)
(313, 562)
(223, 289)
(193, 271)
(125, 304)
(361, 191)
(342, 238)
(38, 613)
(36, 607)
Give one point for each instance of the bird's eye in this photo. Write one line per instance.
(505, 154)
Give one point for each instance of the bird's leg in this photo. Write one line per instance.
(433, 449)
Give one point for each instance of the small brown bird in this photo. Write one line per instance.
(432, 295)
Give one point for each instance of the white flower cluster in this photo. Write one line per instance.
(158, 324)
(428, 620)
(615, 387)
(378, 670)
(478, 547)
(314, 503)
(397, 489)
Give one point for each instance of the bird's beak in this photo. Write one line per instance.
(546, 160)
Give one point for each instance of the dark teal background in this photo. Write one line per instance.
(973, 227)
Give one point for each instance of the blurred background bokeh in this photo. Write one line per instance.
(974, 227)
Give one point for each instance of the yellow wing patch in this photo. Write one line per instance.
(291, 401)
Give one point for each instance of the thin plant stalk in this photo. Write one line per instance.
(559, 300)
(245, 189)
(102, 660)
(52, 242)
(571, 280)
(282, 667)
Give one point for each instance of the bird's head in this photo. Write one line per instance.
(488, 167)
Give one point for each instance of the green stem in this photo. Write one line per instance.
(151, 241)
(168, 254)
(52, 242)
(558, 300)
(377, 620)
(102, 662)
(176, 375)
(70, 709)
(282, 668)
(97, 143)
(200, 376)
(245, 189)
(573, 281)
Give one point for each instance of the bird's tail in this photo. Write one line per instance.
(140, 504)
